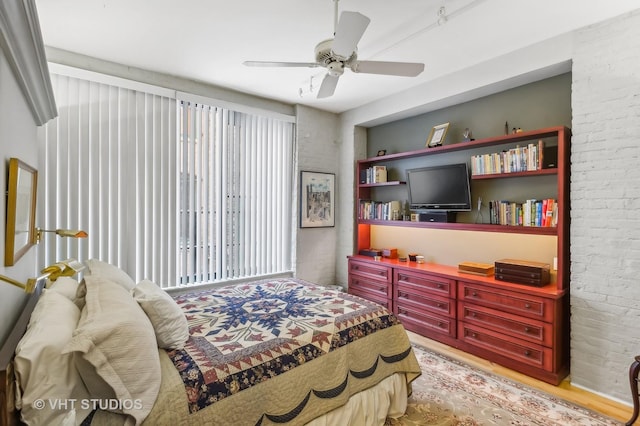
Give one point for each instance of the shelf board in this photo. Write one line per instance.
(550, 171)
(390, 183)
(485, 227)
(510, 138)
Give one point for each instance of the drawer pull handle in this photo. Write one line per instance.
(439, 286)
(527, 353)
(401, 278)
(474, 294)
(383, 273)
(473, 315)
(527, 329)
(356, 267)
(527, 306)
(438, 305)
(383, 289)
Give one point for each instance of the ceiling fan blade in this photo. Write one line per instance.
(349, 31)
(406, 69)
(280, 64)
(328, 86)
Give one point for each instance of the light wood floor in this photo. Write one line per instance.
(565, 390)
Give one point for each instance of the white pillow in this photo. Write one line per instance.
(42, 371)
(115, 349)
(66, 286)
(168, 320)
(109, 271)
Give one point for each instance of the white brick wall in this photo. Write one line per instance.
(318, 151)
(605, 206)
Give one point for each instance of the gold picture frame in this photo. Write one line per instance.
(437, 135)
(21, 211)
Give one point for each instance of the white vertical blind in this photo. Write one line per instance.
(108, 166)
(237, 169)
(179, 192)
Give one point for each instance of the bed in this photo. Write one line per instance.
(275, 351)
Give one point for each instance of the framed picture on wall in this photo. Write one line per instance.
(21, 211)
(437, 135)
(317, 199)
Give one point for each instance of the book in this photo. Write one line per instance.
(379, 174)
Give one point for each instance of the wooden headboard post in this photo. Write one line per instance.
(8, 415)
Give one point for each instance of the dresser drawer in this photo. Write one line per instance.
(370, 270)
(380, 288)
(505, 301)
(515, 349)
(372, 297)
(407, 296)
(528, 329)
(425, 283)
(425, 323)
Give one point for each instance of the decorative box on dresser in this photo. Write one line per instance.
(522, 327)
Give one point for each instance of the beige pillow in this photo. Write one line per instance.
(168, 320)
(115, 349)
(112, 273)
(66, 286)
(109, 271)
(43, 373)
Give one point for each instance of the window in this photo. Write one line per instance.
(170, 190)
(236, 194)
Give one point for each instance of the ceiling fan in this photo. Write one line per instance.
(339, 53)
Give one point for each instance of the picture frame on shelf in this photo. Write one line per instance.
(21, 211)
(437, 135)
(317, 199)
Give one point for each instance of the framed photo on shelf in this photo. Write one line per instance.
(21, 211)
(437, 135)
(317, 199)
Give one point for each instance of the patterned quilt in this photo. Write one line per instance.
(246, 334)
(279, 351)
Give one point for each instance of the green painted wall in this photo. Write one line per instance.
(545, 103)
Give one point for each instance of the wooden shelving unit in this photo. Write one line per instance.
(560, 133)
(521, 327)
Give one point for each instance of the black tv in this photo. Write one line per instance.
(440, 188)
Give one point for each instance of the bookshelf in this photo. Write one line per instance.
(552, 136)
(522, 327)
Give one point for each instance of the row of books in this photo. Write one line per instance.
(374, 174)
(518, 159)
(378, 210)
(532, 212)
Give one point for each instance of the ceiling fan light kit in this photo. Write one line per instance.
(339, 53)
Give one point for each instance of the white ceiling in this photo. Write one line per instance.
(207, 40)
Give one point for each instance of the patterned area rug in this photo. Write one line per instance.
(452, 393)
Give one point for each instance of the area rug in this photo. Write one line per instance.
(450, 392)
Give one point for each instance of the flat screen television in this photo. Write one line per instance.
(440, 188)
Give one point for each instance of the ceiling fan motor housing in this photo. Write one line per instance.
(326, 57)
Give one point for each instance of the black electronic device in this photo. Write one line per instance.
(550, 157)
(437, 216)
(443, 187)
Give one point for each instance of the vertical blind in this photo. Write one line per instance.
(173, 191)
(236, 194)
(108, 165)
